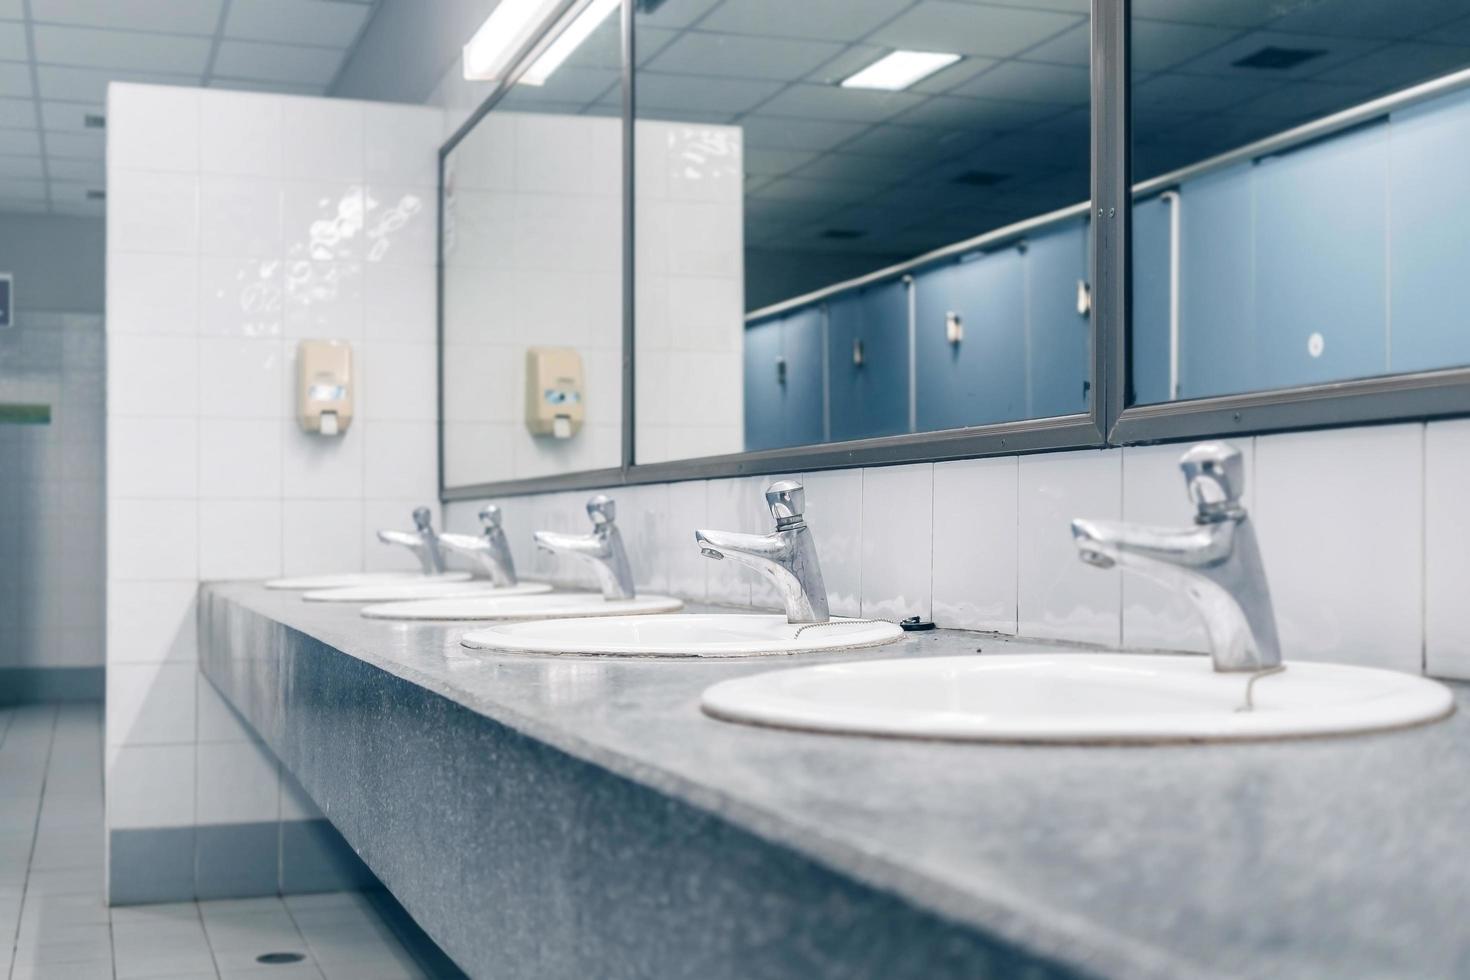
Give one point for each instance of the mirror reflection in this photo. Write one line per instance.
(1276, 242)
(845, 219)
(532, 299)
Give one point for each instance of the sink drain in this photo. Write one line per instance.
(275, 959)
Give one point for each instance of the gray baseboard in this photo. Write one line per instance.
(32, 685)
(239, 860)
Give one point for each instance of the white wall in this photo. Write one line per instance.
(238, 224)
(1363, 532)
(533, 256)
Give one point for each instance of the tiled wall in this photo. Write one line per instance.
(52, 523)
(533, 246)
(1363, 532)
(238, 224)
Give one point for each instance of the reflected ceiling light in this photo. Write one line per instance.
(568, 41)
(514, 22)
(899, 70)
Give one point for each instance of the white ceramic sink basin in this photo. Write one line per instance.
(347, 580)
(552, 604)
(690, 635)
(1077, 697)
(400, 591)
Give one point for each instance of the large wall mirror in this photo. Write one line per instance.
(531, 294)
(1303, 215)
(857, 218)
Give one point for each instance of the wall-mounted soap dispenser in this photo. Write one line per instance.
(554, 402)
(324, 386)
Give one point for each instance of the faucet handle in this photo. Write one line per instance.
(602, 509)
(1215, 475)
(787, 500)
(423, 518)
(490, 517)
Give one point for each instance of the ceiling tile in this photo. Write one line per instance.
(324, 22)
(859, 168)
(90, 84)
(842, 104)
(17, 205)
(277, 62)
(72, 191)
(88, 170)
(571, 84)
(11, 10)
(87, 145)
(23, 141)
(15, 79)
(13, 42)
(1200, 93)
(718, 95)
(679, 14)
(891, 140)
(84, 209)
(763, 161)
(17, 113)
(940, 25)
(1158, 45)
(23, 190)
(28, 167)
(1223, 13)
(1304, 100)
(166, 16)
(954, 112)
(825, 20)
(1457, 32)
(1071, 47)
(121, 49)
(1221, 60)
(1396, 20)
(1400, 65)
(735, 56)
(69, 117)
(1024, 81)
(796, 134)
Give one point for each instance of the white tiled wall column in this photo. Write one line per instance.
(238, 225)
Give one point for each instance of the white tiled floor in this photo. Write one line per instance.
(54, 924)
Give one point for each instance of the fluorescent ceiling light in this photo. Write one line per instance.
(514, 22)
(561, 49)
(899, 70)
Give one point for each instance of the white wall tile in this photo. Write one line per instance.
(401, 143)
(1154, 493)
(1446, 549)
(1058, 597)
(240, 216)
(150, 704)
(241, 377)
(688, 511)
(321, 536)
(238, 782)
(324, 220)
(217, 721)
(240, 296)
(241, 134)
(323, 140)
(239, 539)
(152, 212)
(834, 512)
(398, 303)
(153, 457)
(643, 518)
(398, 382)
(400, 460)
(153, 128)
(240, 459)
(152, 539)
(401, 226)
(150, 786)
(322, 299)
(152, 294)
(151, 622)
(152, 376)
(1346, 597)
(975, 544)
(727, 508)
(322, 467)
(898, 541)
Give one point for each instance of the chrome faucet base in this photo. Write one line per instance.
(602, 549)
(423, 541)
(787, 557)
(490, 552)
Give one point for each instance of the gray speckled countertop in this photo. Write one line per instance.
(1343, 857)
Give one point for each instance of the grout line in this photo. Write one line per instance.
(35, 836)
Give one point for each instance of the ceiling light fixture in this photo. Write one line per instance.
(899, 70)
(568, 41)
(488, 55)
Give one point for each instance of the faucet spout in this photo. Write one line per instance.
(602, 549)
(423, 541)
(786, 557)
(1216, 563)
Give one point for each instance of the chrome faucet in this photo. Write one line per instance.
(602, 549)
(489, 551)
(788, 556)
(422, 541)
(1216, 563)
